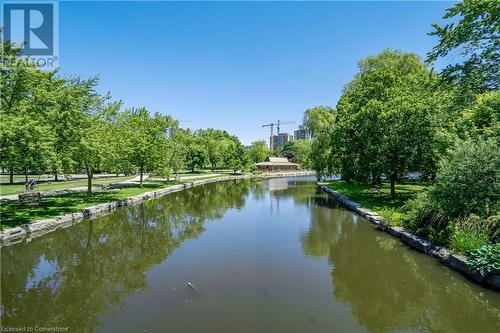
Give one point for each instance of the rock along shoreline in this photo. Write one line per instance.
(39, 228)
(441, 253)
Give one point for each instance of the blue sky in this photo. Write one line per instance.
(235, 65)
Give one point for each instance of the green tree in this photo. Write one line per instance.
(64, 118)
(217, 143)
(236, 157)
(26, 140)
(258, 151)
(289, 150)
(214, 151)
(387, 118)
(175, 150)
(474, 35)
(298, 151)
(96, 118)
(303, 153)
(118, 157)
(482, 119)
(319, 119)
(196, 154)
(148, 138)
(322, 155)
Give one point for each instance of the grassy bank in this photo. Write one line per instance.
(13, 214)
(7, 189)
(380, 201)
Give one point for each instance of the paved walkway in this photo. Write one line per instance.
(133, 181)
(51, 193)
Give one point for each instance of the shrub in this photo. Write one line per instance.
(425, 219)
(467, 183)
(467, 180)
(486, 259)
(491, 225)
(465, 240)
(494, 228)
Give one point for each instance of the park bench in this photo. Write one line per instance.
(30, 192)
(27, 196)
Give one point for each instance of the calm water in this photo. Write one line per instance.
(263, 256)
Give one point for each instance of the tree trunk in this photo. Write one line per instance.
(88, 169)
(11, 175)
(392, 178)
(142, 172)
(55, 176)
(26, 173)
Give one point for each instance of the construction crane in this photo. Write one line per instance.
(278, 124)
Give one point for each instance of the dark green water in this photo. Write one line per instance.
(262, 256)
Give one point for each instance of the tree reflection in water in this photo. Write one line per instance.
(80, 277)
(384, 284)
(73, 276)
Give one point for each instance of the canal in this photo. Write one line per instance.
(239, 256)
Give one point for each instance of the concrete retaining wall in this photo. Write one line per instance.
(39, 228)
(442, 254)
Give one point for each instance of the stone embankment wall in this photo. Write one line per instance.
(441, 253)
(41, 227)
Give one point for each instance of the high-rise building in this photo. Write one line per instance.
(302, 133)
(281, 139)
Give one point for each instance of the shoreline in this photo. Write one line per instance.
(442, 254)
(39, 228)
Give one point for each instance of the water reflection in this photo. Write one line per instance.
(390, 288)
(128, 270)
(71, 277)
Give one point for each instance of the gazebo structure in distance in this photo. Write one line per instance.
(274, 164)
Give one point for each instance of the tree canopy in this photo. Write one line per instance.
(56, 124)
(474, 37)
(385, 120)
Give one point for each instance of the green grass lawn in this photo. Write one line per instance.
(7, 189)
(13, 214)
(381, 202)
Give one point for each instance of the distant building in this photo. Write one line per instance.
(281, 139)
(274, 164)
(277, 184)
(302, 133)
